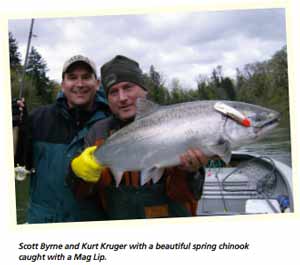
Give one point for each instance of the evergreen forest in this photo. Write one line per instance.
(263, 83)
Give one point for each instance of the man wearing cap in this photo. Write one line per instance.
(175, 194)
(52, 136)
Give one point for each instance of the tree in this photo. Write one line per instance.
(155, 77)
(37, 69)
(177, 93)
(279, 83)
(14, 54)
(220, 87)
(266, 83)
(15, 65)
(278, 71)
(202, 87)
(217, 76)
(229, 89)
(155, 84)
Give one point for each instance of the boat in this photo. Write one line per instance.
(250, 184)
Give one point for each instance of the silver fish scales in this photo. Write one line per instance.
(160, 134)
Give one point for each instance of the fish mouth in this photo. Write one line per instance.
(265, 126)
(271, 122)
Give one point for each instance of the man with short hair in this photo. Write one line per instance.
(179, 189)
(52, 136)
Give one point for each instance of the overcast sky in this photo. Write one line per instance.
(179, 45)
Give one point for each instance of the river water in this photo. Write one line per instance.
(276, 145)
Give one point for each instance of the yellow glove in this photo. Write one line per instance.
(86, 167)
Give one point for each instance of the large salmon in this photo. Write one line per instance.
(160, 134)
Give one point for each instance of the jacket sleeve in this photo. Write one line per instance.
(184, 186)
(24, 150)
(81, 189)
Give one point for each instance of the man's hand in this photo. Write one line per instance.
(18, 111)
(192, 160)
(86, 167)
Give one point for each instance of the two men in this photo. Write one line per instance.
(52, 135)
(177, 192)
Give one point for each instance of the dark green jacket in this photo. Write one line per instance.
(53, 135)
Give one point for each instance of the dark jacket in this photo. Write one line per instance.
(53, 135)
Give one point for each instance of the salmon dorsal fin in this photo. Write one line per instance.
(144, 107)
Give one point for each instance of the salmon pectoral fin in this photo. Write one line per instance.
(158, 174)
(223, 151)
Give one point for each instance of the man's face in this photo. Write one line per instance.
(80, 85)
(122, 99)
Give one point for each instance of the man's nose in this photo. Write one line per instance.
(122, 95)
(79, 82)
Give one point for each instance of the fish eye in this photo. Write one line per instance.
(260, 117)
(254, 116)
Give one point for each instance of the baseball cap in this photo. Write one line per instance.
(79, 58)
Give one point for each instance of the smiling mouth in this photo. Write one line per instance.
(125, 108)
(80, 91)
(80, 94)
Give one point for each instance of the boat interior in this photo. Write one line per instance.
(248, 185)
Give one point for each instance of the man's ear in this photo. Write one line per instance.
(98, 84)
(62, 86)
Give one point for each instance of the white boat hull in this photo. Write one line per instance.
(250, 185)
